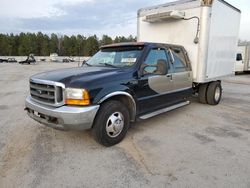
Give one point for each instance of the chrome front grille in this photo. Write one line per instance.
(47, 92)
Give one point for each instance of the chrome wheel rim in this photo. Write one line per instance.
(115, 124)
(217, 94)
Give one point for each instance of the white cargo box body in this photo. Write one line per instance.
(214, 55)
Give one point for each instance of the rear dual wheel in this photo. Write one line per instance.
(210, 93)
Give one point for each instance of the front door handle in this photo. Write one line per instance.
(170, 76)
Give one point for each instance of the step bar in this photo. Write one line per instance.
(155, 113)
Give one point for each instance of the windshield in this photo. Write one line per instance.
(116, 57)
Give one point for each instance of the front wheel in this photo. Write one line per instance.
(111, 123)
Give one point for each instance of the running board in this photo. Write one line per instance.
(155, 113)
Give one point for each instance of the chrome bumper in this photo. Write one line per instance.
(62, 118)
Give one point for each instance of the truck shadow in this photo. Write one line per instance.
(84, 139)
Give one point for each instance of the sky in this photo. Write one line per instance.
(87, 17)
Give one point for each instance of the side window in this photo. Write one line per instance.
(239, 57)
(179, 60)
(150, 65)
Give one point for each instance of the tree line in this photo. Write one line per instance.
(43, 45)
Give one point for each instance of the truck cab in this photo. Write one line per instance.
(122, 83)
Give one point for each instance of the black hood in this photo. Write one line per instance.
(71, 77)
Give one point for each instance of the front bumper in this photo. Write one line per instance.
(62, 118)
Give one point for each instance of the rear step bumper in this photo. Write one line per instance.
(163, 110)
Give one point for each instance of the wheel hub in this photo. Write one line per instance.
(115, 124)
(217, 94)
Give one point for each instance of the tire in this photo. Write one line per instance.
(214, 92)
(203, 93)
(111, 123)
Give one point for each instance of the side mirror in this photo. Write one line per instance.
(147, 69)
(161, 68)
(83, 62)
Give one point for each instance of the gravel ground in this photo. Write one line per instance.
(195, 146)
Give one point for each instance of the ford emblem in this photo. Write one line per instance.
(39, 91)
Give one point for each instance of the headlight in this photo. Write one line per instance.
(77, 97)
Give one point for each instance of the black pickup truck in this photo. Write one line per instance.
(121, 84)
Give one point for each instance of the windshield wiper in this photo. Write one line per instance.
(108, 65)
(88, 64)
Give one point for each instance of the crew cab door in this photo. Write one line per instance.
(182, 75)
(155, 82)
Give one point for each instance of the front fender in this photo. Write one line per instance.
(106, 93)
